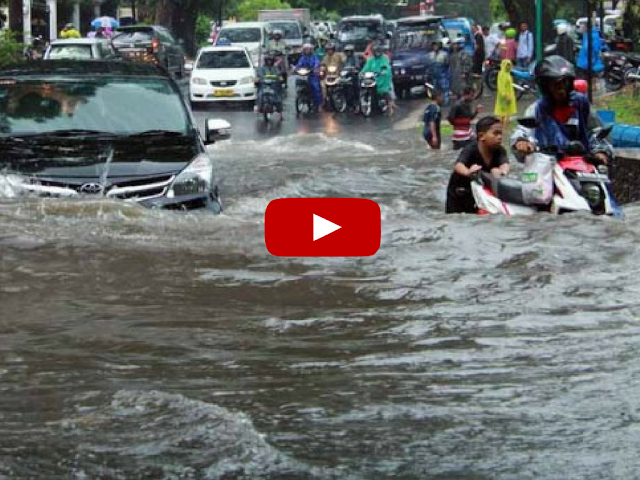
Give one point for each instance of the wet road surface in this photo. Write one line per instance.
(147, 344)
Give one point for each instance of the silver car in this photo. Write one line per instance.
(80, 49)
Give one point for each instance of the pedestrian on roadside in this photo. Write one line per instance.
(479, 52)
(564, 43)
(509, 46)
(431, 119)
(460, 117)
(69, 31)
(506, 105)
(525, 46)
(491, 42)
(460, 66)
(438, 61)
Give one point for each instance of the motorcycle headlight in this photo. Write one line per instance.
(245, 80)
(403, 71)
(198, 81)
(194, 179)
(333, 69)
(593, 194)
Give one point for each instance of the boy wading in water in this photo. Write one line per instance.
(486, 154)
(431, 119)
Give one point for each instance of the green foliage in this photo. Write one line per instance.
(203, 29)
(10, 49)
(247, 10)
(625, 104)
(498, 12)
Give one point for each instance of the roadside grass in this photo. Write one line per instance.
(624, 103)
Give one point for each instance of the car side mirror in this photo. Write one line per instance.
(528, 122)
(216, 129)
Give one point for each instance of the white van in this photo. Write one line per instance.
(253, 36)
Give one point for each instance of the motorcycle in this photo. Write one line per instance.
(304, 95)
(578, 185)
(335, 98)
(618, 68)
(490, 70)
(281, 64)
(370, 101)
(347, 90)
(524, 82)
(267, 104)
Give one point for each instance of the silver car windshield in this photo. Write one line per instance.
(122, 106)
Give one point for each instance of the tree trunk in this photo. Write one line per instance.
(165, 11)
(184, 27)
(15, 17)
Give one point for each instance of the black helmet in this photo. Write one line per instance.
(554, 68)
(378, 49)
(269, 58)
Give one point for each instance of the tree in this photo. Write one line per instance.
(247, 10)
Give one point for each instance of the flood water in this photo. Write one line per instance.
(146, 344)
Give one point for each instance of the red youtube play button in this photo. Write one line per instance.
(322, 227)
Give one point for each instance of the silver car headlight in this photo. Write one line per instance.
(198, 81)
(194, 179)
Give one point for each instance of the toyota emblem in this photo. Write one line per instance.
(91, 188)
(223, 84)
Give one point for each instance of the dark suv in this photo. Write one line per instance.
(119, 130)
(151, 44)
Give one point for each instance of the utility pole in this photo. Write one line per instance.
(589, 49)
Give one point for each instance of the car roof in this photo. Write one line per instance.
(418, 19)
(140, 27)
(246, 25)
(82, 67)
(362, 17)
(78, 41)
(224, 48)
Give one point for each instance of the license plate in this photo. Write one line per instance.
(223, 92)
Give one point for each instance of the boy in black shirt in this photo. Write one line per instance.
(484, 154)
(431, 119)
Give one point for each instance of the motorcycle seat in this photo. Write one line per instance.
(508, 190)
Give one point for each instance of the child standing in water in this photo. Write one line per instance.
(431, 119)
(506, 105)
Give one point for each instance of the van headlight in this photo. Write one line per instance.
(194, 179)
(198, 81)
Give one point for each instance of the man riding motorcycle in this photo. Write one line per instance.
(331, 58)
(379, 64)
(279, 47)
(310, 61)
(563, 115)
(352, 61)
(271, 72)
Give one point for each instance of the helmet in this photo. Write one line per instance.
(554, 68)
(277, 31)
(269, 58)
(307, 46)
(511, 33)
(349, 48)
(378, 49)
(321, 37)
(444, 43)
(562, 28)
(580, 86)
(330, 46)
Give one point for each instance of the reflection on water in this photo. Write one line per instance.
(148, 344)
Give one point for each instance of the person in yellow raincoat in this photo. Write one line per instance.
(69, 31)
(506, 105)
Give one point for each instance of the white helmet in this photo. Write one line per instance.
(562, 28)
(445, 42)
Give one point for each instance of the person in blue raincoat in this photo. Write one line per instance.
(583, 59)
(310, 61)
(438, 61)
(563, 115)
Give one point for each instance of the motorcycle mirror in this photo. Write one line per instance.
(528, 122)
(604, 132)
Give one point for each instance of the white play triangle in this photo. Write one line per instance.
(322, 227)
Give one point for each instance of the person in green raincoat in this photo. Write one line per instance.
(379, 64)
(506, 105)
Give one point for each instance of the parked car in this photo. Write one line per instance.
(410, 47)
(80, 49)
(151, 44)
(104, 129)
(222, 74)
(253, 36)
